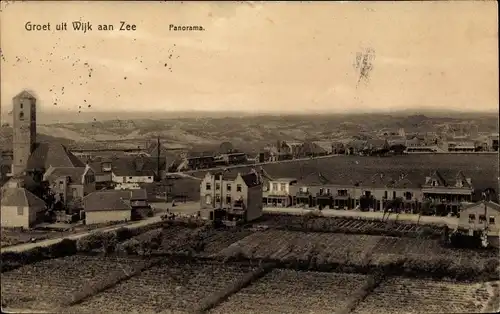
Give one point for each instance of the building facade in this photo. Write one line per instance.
(236, 198)
(69, 184)
(20, 207)
(376, 193)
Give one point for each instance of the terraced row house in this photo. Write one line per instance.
(377, 192)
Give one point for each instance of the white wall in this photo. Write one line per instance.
(103, 216)
(132, 179)
(10, 218)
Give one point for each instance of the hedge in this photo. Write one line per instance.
(66, 247)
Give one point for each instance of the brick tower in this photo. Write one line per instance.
(24, 130)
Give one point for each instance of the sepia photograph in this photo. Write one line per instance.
(249, 157)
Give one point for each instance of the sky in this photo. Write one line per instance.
(253, 57)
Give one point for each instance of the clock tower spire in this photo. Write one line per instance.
(24, 130)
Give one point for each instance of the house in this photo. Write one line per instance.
(276, 192)
(386, 192)
(493, 142)
(481, 216)
(138, 199)
(452, 193)
(70, 183)
(355, 147)
(46, 155)
(20, 207)
(467, 146)
(129, 170)
(196, 160)
(233, 158)
(107, 206)
(338, 148)
(231, 197)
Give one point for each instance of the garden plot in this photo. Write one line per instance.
(46, 284)
(164, 288)
(288, 291)
(408, 295)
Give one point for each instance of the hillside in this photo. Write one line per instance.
(6, 138)
(244, 131)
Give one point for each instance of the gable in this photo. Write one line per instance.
(436, 179)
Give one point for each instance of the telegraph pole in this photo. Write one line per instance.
(158, 156)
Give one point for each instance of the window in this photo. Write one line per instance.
(342, 192)
(303, 189)
(149, 178)
(217, 198)
(208, 186)
(208, 199)
(393, 194)
(228, 199)
(482, 219)
(130, 177)
(228, 187)
(321, 191)
(368, 193)
(20, 210)
(217, 186)
(21, 115)
(492, 220)
(328, 191)
(61, 185)
(472, 217)
(385, 194)
(283, 187)
(275, 186)
(238, 187)
(434, 183)
(21, 105)
(74, 192)
(408, 196)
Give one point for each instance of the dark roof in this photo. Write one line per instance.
(20, 197)
(314, 178)
(251, 179)
(231, 174)
(489, 204)
(461, 177)
(106, 201)
(195, 154)
(24, 94)
(75, 174)
(130, 194)
(436, 175)
(136, 166)
(52, 154)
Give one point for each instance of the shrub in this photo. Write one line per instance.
(123, 234)
(64, 248)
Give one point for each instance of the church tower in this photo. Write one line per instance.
(24, 130)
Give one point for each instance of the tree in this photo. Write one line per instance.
(365, 202)
(74, 205)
